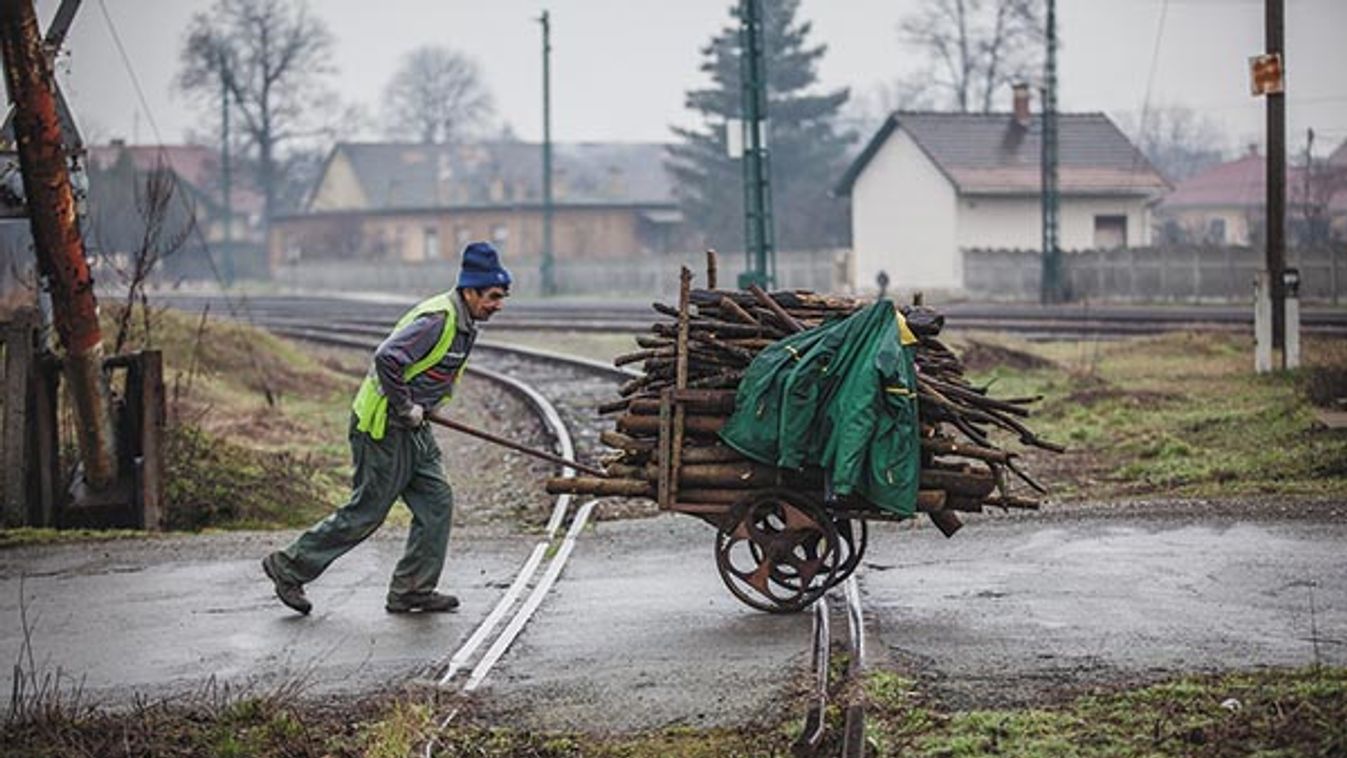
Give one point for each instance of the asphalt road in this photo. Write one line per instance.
(639, 632)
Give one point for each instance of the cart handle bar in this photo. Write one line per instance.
(489, 437)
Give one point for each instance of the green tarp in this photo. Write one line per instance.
(842, 397)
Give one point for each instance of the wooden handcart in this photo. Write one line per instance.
(781, 540)
(778, 546)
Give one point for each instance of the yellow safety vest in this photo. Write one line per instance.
(371, 405)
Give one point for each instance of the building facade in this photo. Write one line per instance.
(412, 203)
(929, 186)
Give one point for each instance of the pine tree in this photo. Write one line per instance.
(807, 153)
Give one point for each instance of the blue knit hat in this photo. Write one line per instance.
(481, 267)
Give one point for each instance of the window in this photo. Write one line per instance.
(293, 250)
(1110, 232)
(430, 248)
(1216, 231)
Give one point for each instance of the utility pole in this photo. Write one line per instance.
(549, 285)
(1050, 280)
(1276, 176)
(56, 236)
(224, 169)
(759, 240)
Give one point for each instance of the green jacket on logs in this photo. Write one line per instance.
(370, 404)
(843, 397)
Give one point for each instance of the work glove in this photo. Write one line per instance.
(414, 416)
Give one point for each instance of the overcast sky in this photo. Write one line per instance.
(621, 67)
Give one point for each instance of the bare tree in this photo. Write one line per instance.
(274, 59)
(157, 241)
(977, 47)
(1177, 140)
(864, 113)
(436, 95)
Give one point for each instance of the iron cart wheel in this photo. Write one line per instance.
(852, 534)
(777, 550)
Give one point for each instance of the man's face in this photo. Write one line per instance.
(482, 304)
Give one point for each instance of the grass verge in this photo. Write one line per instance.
(1301, 712)
(1181, 415)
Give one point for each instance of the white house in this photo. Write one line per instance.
(929, 185)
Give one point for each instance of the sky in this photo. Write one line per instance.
(620, 68)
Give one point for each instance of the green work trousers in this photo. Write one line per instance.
(405, 463)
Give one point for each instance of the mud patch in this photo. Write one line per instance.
(1093, 391)
(978, 356)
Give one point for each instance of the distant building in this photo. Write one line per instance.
(420, 202)
(1226, 204)
(190, 231)
(930, 185)
(117, 206)
(198, 169)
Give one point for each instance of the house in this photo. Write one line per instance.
(422, 202)
(1226, 203)
(185, 229)
(929, 186)
(197, 168)
(205, 242)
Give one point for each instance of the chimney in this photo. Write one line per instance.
(1021, 103)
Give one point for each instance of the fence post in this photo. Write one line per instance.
(1197, 273)
(18, 341)
(46, 440)
(152, 415)
(1333, 271)
(1132, 273)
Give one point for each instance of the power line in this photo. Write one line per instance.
(191, 212)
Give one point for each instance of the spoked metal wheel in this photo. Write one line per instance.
(777, 551)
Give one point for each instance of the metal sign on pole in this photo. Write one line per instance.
(1268, 79)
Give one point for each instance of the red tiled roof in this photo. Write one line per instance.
(1339, 157)
(992, 153)
(1242, 183)
(195, 164)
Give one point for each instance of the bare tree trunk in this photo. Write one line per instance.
(991, 73)
(965, 62)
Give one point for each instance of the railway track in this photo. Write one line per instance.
(1073, 321)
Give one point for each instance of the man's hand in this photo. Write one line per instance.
(414, 416)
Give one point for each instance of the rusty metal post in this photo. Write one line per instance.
(60, 250)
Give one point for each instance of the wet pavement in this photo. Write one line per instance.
(639, 632)
(167, 616)
(1025, 611)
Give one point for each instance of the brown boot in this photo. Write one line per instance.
(290, 592)
(428, 602)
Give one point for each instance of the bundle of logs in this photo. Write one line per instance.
(962, 469)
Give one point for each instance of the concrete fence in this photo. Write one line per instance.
(824, 271)
(1188, 273)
